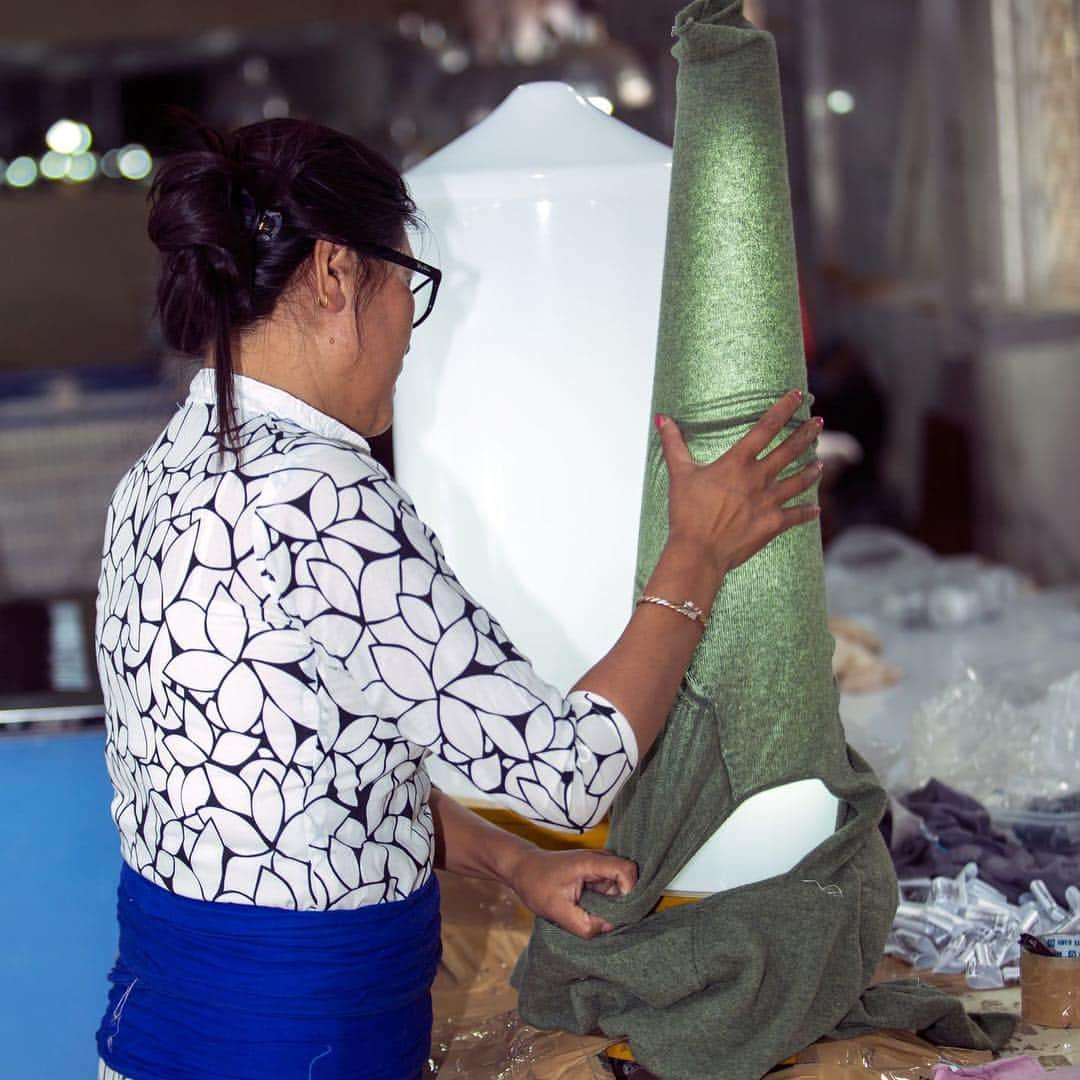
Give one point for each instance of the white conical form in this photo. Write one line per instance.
(522, 415)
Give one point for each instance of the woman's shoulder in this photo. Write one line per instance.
(280, 443)
(293, 456)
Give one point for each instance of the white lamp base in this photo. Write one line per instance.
(765, 836)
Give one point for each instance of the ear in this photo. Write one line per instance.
(335, 275)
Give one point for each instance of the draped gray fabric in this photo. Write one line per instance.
(724, 988)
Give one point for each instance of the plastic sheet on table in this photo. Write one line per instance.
(504, 1047)
(477, 1032)
(883, 1055)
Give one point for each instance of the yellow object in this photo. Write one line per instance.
(549, 839)
(666, 902)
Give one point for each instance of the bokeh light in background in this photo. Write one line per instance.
(54, 164)
(405, 80)
(22, 172)
(840, 102)
(69, 137)
(134, 162)
(110, 164)
(82, 167)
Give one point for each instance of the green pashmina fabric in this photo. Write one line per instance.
(724, 988)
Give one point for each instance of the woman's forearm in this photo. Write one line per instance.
(641, 674)
(467, 844)
(548, 883)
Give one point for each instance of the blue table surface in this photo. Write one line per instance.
(59, 864)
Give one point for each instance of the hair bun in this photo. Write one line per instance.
(197, 224)
(195, 201)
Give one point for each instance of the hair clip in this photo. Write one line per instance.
(264, 225)
(268, 225)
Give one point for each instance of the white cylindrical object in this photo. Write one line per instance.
(522, 415)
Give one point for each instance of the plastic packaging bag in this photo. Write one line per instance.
(875, 570)
(990, 697)
(1002, 754)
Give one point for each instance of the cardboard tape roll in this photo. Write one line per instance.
(1049, 990)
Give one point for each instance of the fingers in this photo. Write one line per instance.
(586, 925)
(797, 443)
(606, 888)
(608, 873)
(676, 453)
(792, 486)
(598, 926)
(576, 920)
(771, 424)
(599, 871)
(791, 516)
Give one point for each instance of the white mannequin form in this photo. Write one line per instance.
(522, 415)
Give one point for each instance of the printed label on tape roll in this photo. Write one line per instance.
(1066, 945)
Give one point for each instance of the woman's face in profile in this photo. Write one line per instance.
(380, 348)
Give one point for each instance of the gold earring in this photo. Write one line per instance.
(323, 302)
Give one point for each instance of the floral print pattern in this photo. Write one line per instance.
(281, 643)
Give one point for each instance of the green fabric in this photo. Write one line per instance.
(726, 987)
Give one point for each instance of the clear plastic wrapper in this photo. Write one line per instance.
(975, 739)
(504, 1047)
(879, 571)
(989, 702)
(1015, 1068)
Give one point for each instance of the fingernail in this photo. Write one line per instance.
(798, 395)
(659, 420)
(819, 466)
(819, 421)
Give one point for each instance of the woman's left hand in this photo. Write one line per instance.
(550, 884)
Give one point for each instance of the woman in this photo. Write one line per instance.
(281, 644)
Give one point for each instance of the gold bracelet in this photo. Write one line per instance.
(687, 607)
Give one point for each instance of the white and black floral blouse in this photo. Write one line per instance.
(281, 643)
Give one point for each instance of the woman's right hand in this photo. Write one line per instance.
(718, 516)
(728, 510)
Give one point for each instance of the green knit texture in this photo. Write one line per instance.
(730, 344)
(724, 988)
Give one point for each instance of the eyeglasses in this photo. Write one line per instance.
(425, 290)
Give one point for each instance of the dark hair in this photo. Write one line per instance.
(217, 277)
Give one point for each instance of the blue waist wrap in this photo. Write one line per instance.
(215, 991)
